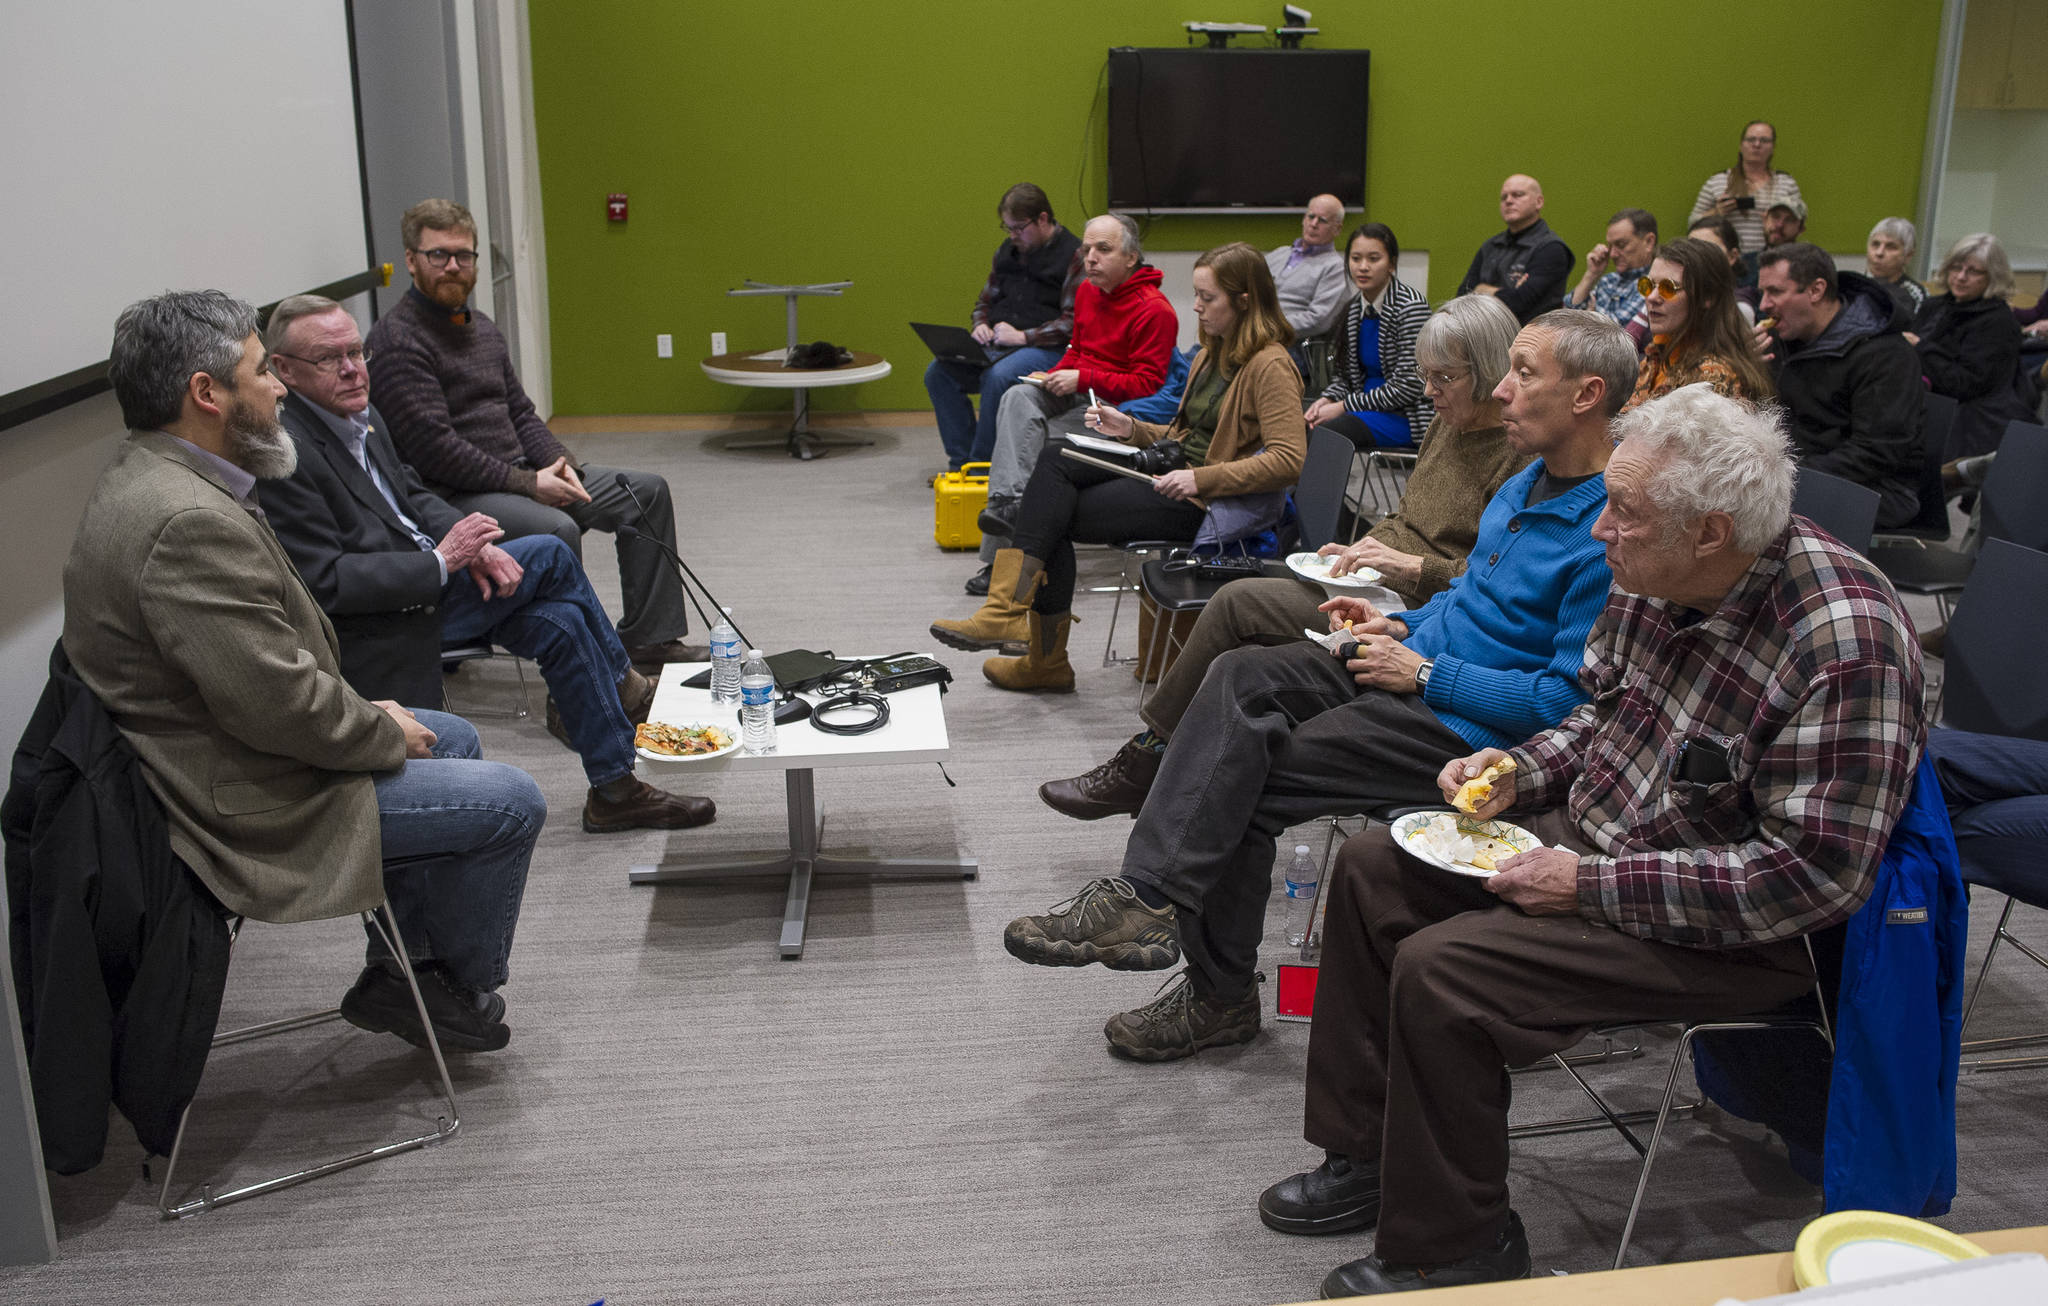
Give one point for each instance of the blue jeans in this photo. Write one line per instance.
(970, 439)
(554, 618)
(458, 833)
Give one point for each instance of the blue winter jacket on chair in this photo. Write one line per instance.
(1881, 1115)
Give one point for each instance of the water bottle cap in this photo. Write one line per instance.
(1301, 850)
(755, 653)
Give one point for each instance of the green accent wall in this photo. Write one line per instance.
(818, 140)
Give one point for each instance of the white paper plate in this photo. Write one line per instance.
(1407, 834)
(1852, 1245)
(1314, 567)
(731, 732)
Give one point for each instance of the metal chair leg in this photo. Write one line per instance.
(2001, 935)
(445, 1126)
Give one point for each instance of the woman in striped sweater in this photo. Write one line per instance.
(1376, 396)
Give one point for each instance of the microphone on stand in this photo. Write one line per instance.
(628, 532)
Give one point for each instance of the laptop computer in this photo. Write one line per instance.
(952, 344)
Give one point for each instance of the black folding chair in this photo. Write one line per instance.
(1843, 509)
(2011, 510)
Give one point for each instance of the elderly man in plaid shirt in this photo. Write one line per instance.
(1751, 738)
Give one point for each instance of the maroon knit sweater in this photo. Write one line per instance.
(456, 409)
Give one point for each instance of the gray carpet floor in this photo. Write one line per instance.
(906, 1114)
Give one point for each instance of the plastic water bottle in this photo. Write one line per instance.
(1301, 895)
(725, 660)
(757, 704)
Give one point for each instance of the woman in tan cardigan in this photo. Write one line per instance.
(1241, 429)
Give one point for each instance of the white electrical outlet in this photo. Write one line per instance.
(718, 342)
(664, 345)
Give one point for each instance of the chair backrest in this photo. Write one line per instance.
(1940, 420)
(1319, 494)
(1997, 632)
(1843, 509)
(2016, 487)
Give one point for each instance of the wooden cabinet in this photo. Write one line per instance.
(2004, 60)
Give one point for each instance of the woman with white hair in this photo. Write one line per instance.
(1969, 344)
(1885, 255)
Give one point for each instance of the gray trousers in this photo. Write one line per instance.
(655, 610)
(1260, 611)
(1274, 737)
(1028, 418)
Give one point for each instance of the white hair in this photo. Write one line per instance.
(1897, 229)
(1717, 455)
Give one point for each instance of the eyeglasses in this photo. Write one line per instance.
(1441, 380)
(441, 258)
(1664, 285)
(1759, 140)
(329, 364)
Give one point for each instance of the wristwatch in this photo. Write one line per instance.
(1422, 675)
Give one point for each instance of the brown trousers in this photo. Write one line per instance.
(1431, 988)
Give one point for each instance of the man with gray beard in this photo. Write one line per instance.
(290, 796)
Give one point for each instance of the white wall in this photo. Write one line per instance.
(1997, 181)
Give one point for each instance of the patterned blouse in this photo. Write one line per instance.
(1659, 374)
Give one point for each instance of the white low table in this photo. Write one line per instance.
(765, 371)
(916, 732)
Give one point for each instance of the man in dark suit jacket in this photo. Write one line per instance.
(387, 560)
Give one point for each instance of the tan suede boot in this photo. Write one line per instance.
(1013, 579)
(1044, 664)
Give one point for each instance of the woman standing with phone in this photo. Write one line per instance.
(1746, 192)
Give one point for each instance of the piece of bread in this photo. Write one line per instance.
(1473, 794)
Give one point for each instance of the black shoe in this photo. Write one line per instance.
(1506, 1260)
(1336, 1197)
(999, 518)
(464, 1020)
(977, 584)
(1117, 787)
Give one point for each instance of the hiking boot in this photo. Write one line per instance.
(1507, 1259)
(1182, 1021)
(1117, 787)
(1105, 923)
(1336, 1197)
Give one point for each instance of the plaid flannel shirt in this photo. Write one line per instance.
(1046, 335)
(1615, 295)
(1810, 672)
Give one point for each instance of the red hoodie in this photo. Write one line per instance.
(1122, 340)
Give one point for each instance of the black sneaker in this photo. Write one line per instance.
(464, 1020)
(977, 584)
(1182, 1021)
(1507, 1259)
(1336, 1197)
(1103, 923)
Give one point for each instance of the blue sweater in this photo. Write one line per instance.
(1509, 636)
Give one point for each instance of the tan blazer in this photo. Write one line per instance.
(1260, 438)
(186, 619)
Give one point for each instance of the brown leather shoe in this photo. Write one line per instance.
(645, 808)
(649, 659)
(1117, 787)
(636, 695)
(556, 726)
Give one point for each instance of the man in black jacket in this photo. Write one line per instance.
(1023, 316)
(1527, 266)
(1848, 378)
(387, 561)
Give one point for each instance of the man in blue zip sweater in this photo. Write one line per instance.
(1278, 736)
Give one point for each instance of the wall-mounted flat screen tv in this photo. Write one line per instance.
(1199, 130)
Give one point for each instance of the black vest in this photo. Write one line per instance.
(1028, 285)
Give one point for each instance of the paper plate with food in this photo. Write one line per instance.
(661, 742)
(1456, 843)
(1314, 567)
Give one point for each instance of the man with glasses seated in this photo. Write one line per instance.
(400, 572)
(1750, 739)
(1309, 273)
(1276, 736)
(444, 379)
(1023, 317)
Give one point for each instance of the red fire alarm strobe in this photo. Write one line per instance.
(615, 206)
